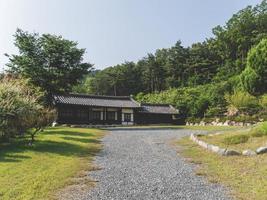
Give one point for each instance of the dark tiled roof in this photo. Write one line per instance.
(158, 108)
(95, 100)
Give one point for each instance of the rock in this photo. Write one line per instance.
(248, 124)
(230, 152)
(213, 148)
(75, 126)
(202, 123)
(249, 152)
(214, 123)
(241, 124)
(261, 150)
(193, 137)
(221, 151)
(219, 124)
(64, 125)
(54, 124)
(203, 144)
(226, 123)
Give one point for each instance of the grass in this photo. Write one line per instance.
(236, 139)
(246, 177)
(39, 171)
(210, 128)
(164, 126)
(240, 139)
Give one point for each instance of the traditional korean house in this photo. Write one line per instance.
(94, 109)
(157, 114)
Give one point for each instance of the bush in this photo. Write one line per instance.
(259, 131)
(208, 120)
(243, 102)
(263, 101)
(20, 108)
(236, 139)
(193, 120)
(243, 118)
(214, 112)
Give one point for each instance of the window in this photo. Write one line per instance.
(96, 115)
(127, 117)
(111, 115)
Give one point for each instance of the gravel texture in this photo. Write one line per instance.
(142, 164)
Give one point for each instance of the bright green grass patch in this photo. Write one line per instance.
(246, 177)
(236, 139)
(260, 130)
(38, 171)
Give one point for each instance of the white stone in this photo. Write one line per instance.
(203, 144)
(221, 151)
(54, 124)
(202, 123)
(261, 150)
(213, 148)
(249, 152)
(230, 152)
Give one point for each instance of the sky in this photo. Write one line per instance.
(115, 31)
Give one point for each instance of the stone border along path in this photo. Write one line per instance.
(227, 152)
(141, 164)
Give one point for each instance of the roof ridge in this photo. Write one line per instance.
(155, 104)
(95, 96)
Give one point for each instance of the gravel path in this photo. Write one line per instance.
(141, 164)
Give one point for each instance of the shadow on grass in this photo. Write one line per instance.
(12, 152)
(83, 140)
(72, 133)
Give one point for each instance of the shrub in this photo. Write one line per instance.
(243, 118)
(259, 131)
(193, 120)
(243, 102)
(263, 101)
(208, 120)
(248, 80)
(214, 112)
(39, 120)
(236, 139)
(20, 107)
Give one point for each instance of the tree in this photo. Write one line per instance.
(254, 77)
(50, 62)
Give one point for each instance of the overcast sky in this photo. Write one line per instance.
(114, 31)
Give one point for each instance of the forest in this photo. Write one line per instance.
(226, 73)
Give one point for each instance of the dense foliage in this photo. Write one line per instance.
(21, 110)
(49, 62)
(254, 77)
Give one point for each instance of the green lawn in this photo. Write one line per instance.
(252, 142)
(204, 128)
(39, 171)
(210, 128)
(245, 176)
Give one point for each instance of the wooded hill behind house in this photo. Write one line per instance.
(197, 79)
